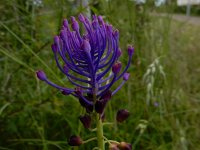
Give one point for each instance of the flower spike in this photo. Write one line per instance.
(87, 59)
(90, 62)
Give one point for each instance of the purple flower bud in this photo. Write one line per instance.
(116, 34)
(95, 24)
(124, 146)
(126, 76)
(56, 39)
(116, 67)
(88, 107)
(72, 18)
(41, 75)
(94, 17)
(106, 96)
(84, 102)
(130, 50)
(86, 121)
(65, 23)
(119, 52)
(75, 25)
(100, 106)
(87, 20)
(100, 19)
(63, 34)
(54, 48)
(122, 115)
(81, 18)
(75, 141)
(86, 46)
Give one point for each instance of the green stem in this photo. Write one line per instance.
(89, 140)
(108, 123)
(99, 127)
(100, 137)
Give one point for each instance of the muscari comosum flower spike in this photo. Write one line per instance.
(89, 59)
(91, 63)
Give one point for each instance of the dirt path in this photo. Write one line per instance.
(182, 18)
(186, 19)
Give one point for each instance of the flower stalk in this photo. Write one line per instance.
(91, 63)
(100, 137)
(99, 127)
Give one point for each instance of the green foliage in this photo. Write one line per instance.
(165, 69)
(195, 10)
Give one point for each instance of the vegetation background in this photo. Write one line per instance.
(163, 93)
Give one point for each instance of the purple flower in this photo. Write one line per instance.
(90, 60)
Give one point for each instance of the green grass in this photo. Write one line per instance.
(165, 69)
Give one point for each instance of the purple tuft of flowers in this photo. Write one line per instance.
(90, 60)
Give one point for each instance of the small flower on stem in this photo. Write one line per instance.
(75, 141)
(122, 115)
(113, 147)
(126, 76)
(101, 104)
(124, 146)
(41, 75)
(86, 121)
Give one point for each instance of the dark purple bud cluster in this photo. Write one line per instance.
(90, 61)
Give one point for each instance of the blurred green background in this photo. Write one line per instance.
(163, 93)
